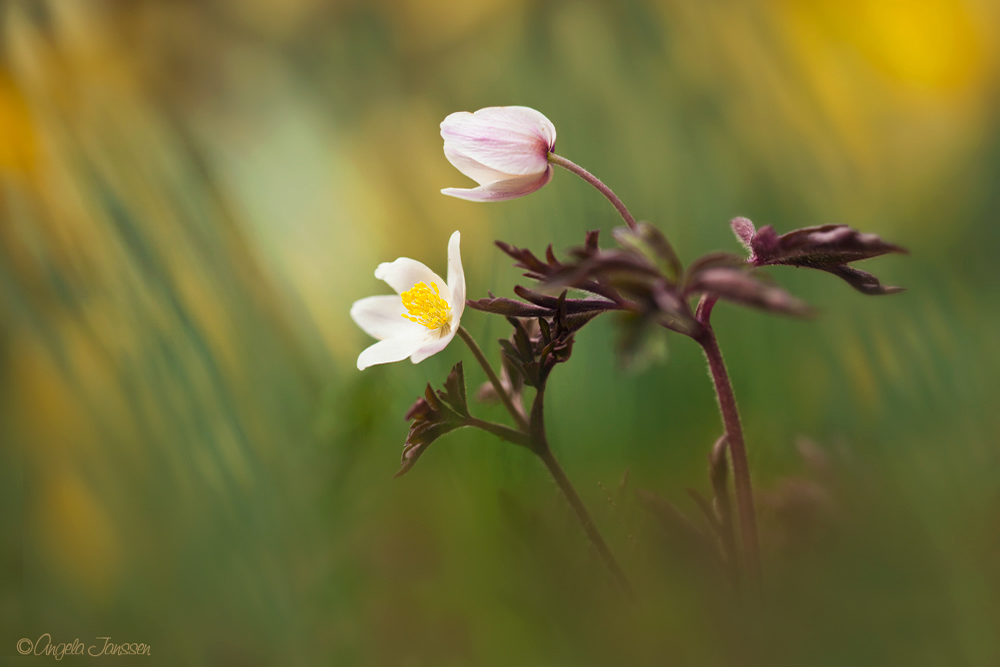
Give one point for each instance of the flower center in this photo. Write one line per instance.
(426, 307)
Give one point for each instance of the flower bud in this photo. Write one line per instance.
(504, 149)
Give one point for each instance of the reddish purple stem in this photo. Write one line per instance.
(734, 436)
(596, 182)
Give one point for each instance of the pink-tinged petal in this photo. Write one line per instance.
(433, 347)
(404, 273)
(390, 350)
(510, 140)
(456, 279)
(502, 190)
(382, 317)
(472, 169)
(513, 120)
(488, 159)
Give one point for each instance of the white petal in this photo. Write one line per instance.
(456, 279)
(382, 317)
(434, 346)
(404, 273)
(390, 350)
(510, 140)
(502, 190)
(477, 172)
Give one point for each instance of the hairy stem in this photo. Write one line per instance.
(518, 415)
(540, 446)
(734, 436)
(596, 182)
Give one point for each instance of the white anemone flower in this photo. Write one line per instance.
(421, 318)
(504, 149)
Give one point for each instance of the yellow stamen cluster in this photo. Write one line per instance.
(426, 307)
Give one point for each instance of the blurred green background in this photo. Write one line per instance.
(194, 192)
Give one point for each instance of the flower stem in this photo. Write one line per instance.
(504, 432)
(596, 182)
(518, 415)
(540, 446)
(533, 436)
(734, 436)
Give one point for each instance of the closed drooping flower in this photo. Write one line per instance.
(421, 318)
(504, 149)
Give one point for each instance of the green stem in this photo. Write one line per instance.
(505, 432)
(596, 182)
(540, 446)
(518, 415)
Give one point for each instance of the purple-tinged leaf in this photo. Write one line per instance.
(818, 247)
(863, 281)
(525, 259)
(411, 452)
(550, 256)
(432, 400)
(826, 247)
(508, 307)
(511, 353)
(667, 301)
(607, 265)
(744, 288)
(674, 312)
(523, 343)
(713, 260)
(454, 390)
(744, 231)
(433, 415)
(420, 437)
(576, 273)
(572, 305)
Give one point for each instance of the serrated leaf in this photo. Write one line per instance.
(454, 393)
(434, 415)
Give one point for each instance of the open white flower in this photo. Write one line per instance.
(504, 149)
(421, 318)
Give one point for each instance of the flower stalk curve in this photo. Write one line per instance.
(597, 183)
